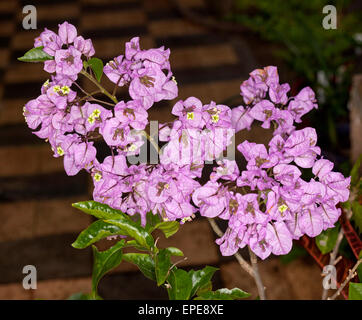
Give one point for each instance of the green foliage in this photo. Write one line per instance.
(99, 210)
(144, 262)
(105, 261)
(355, 291)
(327, 239)
(357, 215)
(224, 294)
(130, 228)
(359, 268)
(35, 55)
(163, 264)
(154, 222)
(169, 228)
(123, 222)
(355, 171)
(96, 231)
(201, 279)
(96, 65)
(296, 252)
(155, 263)
(80, 296)
(356, 189)
(180, 285)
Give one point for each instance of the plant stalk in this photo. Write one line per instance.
(257, 277)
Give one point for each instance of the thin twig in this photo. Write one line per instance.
(257, 277)
(116, 86)
(351, 275)
(101, 101)
(243, 264)
(332, 259)
(89, 95)
(103, 90)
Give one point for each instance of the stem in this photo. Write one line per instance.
(332, 259)
(257, 277)
(104, 91)
(243, 264)
(352, 274)
(116, 86)
(89, 95)
(101, 101)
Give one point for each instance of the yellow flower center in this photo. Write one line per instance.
(56, 89)
(190, 116)
(215, 118)
(283, 208)
(65, 90)
(46, 83)
(60, 151)
(97, 177)
(96, 113)
(91, 119)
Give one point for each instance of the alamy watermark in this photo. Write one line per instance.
(330, 277)
(330, 20)
(30, 280)
(30, 20)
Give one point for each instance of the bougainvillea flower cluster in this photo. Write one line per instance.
(267, 204)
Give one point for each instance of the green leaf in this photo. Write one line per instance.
(175, 251)
(144, 262)
(162, 265)
(36, 55)
(296, 252)
(180, 285)
(201, 278)
(357, 215)
(327, 239)
(205, 288)
(97, 66)
(359, 268)
(132, 229)
(80, 296)
(154, 222)
(115, 217)
(134, 244)
(169, 228)
(105, 261)
(95, 232)
(224, 294)
(99, 210)
(355, 291)
(355, 171)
